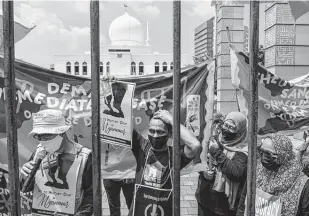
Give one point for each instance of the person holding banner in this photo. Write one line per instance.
(220, 189)
(281, 185)
(153, 186)
(63, 176)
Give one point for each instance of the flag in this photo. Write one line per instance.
(20, 31)
(299, 8)
(282, 105)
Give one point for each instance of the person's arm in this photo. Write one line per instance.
(86, 207)
(303, 206)
(235, 169)
(137, 141)
(192, 145)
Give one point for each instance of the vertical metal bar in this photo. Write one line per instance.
(253, 105)
(95, 104)
(10, 108)
(176, 106)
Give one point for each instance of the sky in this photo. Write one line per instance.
(62, 27)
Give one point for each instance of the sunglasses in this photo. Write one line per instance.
(45, 137)
(229, 125)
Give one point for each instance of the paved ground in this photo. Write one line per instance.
(188, 201)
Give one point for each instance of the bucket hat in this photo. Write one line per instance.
(49, 121)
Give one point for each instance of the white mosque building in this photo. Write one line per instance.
(128, 54)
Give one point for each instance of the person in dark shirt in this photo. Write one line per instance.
(219, 189)
(154, 156)
(279, 173)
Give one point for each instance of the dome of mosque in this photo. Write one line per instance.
(126, 31)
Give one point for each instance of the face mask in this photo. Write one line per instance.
(158, 142)
(269, 162)
(228, 136)
(52, 145)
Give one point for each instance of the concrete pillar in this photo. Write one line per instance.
(231, 15)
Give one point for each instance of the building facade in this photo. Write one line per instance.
(128, 54)
(286, 41)
(203, 39)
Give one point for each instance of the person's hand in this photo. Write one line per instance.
(208, 174)
(213, 144)
(26, 169)
(164, 115)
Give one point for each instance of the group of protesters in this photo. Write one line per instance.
(281, 171)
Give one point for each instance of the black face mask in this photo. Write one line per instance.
(158, 142)
(228, 136)
(269, 162)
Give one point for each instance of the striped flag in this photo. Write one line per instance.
(299, 8)
(20, 31)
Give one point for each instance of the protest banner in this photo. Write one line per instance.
(39, 88)
(266, 204)
(26, 198)
(116, 117)
(283, 105)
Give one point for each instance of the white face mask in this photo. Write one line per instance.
(52, 145)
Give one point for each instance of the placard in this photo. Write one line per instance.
(56, 193)
(116, 113)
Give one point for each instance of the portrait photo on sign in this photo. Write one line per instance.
(116, 112)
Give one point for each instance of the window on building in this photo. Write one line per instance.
(101, 68)
(141, 68)
(157, 67)
(69, 67)
(84, 68)
(76, 68)
(171, 65)
(164, 66)
(133, 68)
(107, 68)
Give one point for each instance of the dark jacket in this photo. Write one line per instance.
(235, 169)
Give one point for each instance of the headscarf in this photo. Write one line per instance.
(239, 144)
(288, 182)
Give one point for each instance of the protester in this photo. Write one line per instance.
(153, 180)
(63, 182)
(113, 188)
(219, 191)
(154, 164)
(280, 174)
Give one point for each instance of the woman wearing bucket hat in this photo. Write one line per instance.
(63, 182)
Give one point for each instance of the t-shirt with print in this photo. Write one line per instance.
(156, 171)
